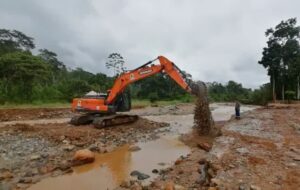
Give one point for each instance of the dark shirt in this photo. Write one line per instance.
(237, 105)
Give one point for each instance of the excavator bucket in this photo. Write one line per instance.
(198, 89)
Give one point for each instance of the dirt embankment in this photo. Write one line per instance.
(33, 113)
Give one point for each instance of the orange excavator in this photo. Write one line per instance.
(101, 109)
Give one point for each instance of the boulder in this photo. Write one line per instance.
(83, 156)
(6, 175)
(169, 186)
(68, 147)
(35, 157)
(205, 146)
(178, 161)
(254, 187)
(139, 175)
(134, 148)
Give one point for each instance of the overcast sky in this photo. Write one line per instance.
(214, 40)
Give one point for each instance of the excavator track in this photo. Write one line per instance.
(112, 120)
(82, 119)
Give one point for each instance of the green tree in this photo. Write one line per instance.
(116, 62)
(11, 41)
(19, 71)
(57, 67)
(280, 56)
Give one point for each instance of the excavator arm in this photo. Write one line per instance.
(145, 71)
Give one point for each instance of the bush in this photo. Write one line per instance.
(153, 97)
(290, 95)
(261, 96)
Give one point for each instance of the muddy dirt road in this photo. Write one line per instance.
(261, 150)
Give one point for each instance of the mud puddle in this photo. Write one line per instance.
(111, 169)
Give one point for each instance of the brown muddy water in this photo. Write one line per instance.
(110, 169)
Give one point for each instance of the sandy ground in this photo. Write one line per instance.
(260, 151)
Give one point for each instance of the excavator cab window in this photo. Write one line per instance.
(123, 102)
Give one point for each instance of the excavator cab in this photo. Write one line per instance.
(122, 102)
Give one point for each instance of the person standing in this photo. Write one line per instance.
(237, 110)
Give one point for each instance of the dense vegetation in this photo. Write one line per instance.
(233, 91)
(28, 78)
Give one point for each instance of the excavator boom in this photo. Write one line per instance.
(145, 71)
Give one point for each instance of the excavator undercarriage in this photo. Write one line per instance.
(101, 121)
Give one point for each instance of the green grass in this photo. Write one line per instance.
(36, 105)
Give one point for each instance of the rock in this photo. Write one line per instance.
(94, 148)
(162, 164)
(125, 184)
(203, 173)
(62, 138)
(56, 173)
(44, 155)
(25, 180)
(296, 157)
(169, 185)
(136, 186)
(46, 169)
(179, 187)
(204, 146)
(79, 144)
(134, 148)
(134, 173)
(210, 172)
(178, 161)
(254, 187)
(242, 150)
(202, 161)
(22, 186)
(243, 187)
(212, 188)
(140, 175)
(35, 157)
(83, 156)
(215, 181)
(68, 147)
(64, 165)
(6, 175)
(155, 171)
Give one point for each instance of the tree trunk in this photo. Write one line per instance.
(298, 88)
(282, 92)
(274, 93)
